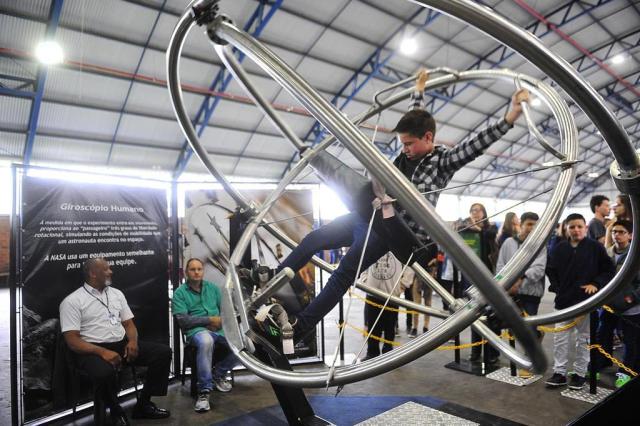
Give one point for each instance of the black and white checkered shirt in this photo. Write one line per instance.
(437, 168)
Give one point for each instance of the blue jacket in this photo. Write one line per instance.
(569, 268)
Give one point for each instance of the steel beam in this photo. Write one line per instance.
(126, 98)
(54, 18)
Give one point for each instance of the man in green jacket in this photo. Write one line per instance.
(196, 306)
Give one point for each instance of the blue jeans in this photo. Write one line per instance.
(348, 230)
(604, 336)
(205, 341)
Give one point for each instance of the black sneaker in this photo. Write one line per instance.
(493, 359)
(576, 382)
(556, 380)
(413, 333)
(474, 357)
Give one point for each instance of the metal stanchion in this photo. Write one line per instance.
(593, 353)
(512, 365)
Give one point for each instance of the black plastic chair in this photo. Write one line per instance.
(190, 353)
(79, 375)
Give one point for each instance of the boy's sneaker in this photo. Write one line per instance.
(576, 382)
(621, 379)
(556, 380)
(223, 384)
(202, 403)
(413, 333)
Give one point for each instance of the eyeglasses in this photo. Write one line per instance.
(475, 211)
(619, 231)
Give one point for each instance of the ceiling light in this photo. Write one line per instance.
(593, 174)
(49, 52)
(618, 59)
(536, 102)
(408, 46)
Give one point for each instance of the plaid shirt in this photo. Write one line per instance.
(437, 168)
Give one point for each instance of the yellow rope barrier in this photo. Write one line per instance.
(365, 333)
(608, 309)
(379, 306)
(612, 359)
(394, 343)
(563, 328)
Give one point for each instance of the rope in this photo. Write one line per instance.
(386, 308)
(394, 343)
(619, 315)
(612, 359)
(332, 369)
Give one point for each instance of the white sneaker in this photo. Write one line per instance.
(202, 403)
(223, 384)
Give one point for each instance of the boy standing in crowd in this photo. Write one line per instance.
(625, 302)
(577, 268)
(529, 288)
(600, 207)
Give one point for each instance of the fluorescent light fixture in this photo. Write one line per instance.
(536, 102)
(408, 46)
(593, 174)
(49, 52)
(618, 59)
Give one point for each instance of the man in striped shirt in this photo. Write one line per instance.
(427, 166)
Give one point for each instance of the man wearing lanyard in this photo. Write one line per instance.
(98, 327)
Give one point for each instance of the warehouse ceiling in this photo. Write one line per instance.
(107, 104)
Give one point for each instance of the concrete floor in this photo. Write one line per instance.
(532, 405)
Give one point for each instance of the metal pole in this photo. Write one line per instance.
(457, 293)
(175, 269)
(593, 353)
(13, 284)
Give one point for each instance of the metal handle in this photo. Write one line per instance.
(532, 127)
(438, 70)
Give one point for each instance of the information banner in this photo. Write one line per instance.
(64, 224)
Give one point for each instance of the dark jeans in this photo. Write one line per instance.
(448, 285)
(491, 351)
(386, 325)
(493, 324)
(528, 304)
(348, 230)
(336, 234)
(408, 295)
(604, 336)
(155, 356)
(631, 339)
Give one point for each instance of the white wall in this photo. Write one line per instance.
(6, 190)
(450, 207)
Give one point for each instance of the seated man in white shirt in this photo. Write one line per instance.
(98, 327)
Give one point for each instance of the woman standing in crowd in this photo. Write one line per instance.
(621, 211)
(510, 228)
(480, 234)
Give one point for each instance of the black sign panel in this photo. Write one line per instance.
(63, 224)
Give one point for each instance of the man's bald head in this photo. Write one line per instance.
(97, 272)
(88, 266)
